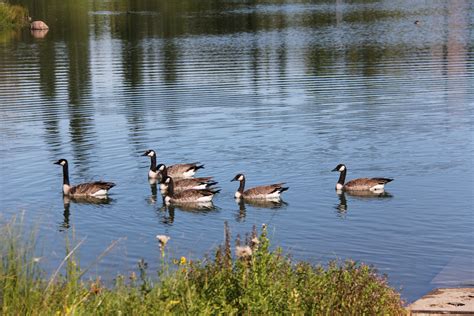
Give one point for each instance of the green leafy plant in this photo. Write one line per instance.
(247, 278)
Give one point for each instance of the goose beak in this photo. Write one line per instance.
(145, 154)
(335, 169)
(56, 163)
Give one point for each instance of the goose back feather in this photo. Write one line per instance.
(191, 183)
(182, 170)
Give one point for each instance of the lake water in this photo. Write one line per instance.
(278, 90)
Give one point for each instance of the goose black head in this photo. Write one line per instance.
(238, 177)
(340, 167)
(149, 153)
(167, 180)
(160, 167)
(61, 162)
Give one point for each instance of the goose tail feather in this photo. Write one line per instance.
(283, 189)
(197, 167)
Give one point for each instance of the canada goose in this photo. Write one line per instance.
(188, 184)
(183, 170)
(97, 189)
(271, 191)
(187, 196)
(360, 184)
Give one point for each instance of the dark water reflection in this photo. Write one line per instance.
(342, 207)
(282, 91)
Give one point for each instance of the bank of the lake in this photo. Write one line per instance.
(12, 16)
(249, 278)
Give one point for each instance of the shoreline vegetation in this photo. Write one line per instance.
(248, 278)
(12, 16)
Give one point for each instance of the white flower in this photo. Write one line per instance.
(36, 259)
(163, 239)
(243, 251)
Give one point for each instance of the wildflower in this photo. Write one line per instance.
(36, 259)
(182, 261)
(173, 303)
(255, 241)
(243, 251)
(163, 239)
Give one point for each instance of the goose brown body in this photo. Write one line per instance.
(91, 188)
(187, 184)
(182, 170)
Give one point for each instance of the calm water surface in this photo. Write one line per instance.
(282, 91)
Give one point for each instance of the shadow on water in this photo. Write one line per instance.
(67, 201)
(268, 204)
(342, 207)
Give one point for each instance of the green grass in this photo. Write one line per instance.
(260, 282)
(12, 16)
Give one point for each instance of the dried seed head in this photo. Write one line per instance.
(255, 241)
(243, 251)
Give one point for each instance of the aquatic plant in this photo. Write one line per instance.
(258, 281)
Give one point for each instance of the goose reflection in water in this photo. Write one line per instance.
(361, 195)
(168, 211)
(257, 203)
(154, 191)
(202, 207)
(67, 200)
